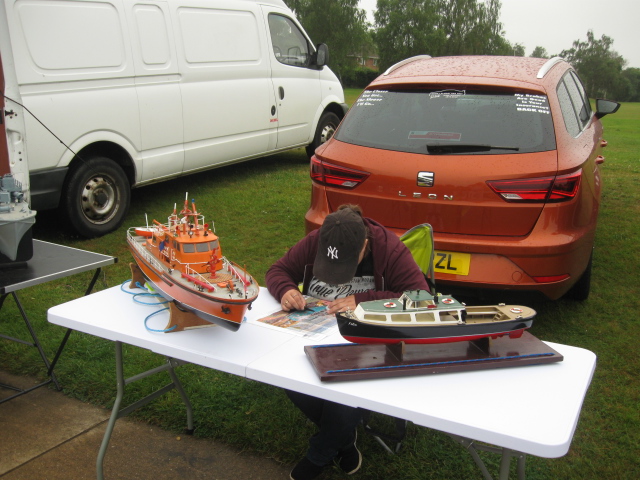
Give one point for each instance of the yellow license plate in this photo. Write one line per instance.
(454, 263)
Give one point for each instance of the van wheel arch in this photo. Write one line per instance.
(327, 125)
(97, 195)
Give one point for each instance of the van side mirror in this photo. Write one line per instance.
(321, 57)
(605, 107)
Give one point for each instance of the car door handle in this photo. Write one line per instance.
(281, 92)
(599, 160)
(603, 143)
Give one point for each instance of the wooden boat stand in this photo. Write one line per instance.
(350, 361)
(179, 318)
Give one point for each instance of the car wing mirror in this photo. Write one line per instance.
(605, 107)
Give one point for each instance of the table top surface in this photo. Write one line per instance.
(532, 409)
(51, 261)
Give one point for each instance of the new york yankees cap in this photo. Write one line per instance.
(342, 237)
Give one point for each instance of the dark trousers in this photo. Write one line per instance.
(336, 423)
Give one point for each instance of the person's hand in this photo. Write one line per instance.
(293, 300)
(342, 304)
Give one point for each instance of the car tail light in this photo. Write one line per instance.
(335, 176)
(544, 189)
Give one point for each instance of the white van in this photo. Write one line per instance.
(123, 93)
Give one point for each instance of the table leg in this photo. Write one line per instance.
(114, 411)
(506, 455)
(35, 343)
(92, 283)
(121, 382)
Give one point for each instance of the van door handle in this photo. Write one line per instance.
(599, 160)
(281, 92)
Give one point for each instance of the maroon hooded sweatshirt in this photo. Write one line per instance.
(394, 269)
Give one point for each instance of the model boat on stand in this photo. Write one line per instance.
(183, 262)
(418, 317)
(16, 220)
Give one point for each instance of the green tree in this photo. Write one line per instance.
(472, 27)
(598, 65)
(406, 28)
(539, 52)
(629, 88)
(439, 27)
(338, 23)
(518, 50)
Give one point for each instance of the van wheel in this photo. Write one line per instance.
(324, 131)
(580, 290)
(97, 197)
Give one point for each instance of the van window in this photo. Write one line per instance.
(153, 35)
(67, 35)
(211, 35)
(289, 44)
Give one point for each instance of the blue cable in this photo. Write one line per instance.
(136, 298)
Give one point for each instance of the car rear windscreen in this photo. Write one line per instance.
(450, 121)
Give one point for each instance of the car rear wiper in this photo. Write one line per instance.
(443, 149)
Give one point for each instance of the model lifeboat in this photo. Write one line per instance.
(183, 261)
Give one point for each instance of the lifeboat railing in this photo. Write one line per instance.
(236, 274)
(146, 254)
(197, 278)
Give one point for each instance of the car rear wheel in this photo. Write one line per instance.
(97, 197)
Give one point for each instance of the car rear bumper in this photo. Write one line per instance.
(506, 263)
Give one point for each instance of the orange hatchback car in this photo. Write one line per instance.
(501, 155)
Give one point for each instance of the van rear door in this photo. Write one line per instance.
(157, 81)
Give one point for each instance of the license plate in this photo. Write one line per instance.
(454, 263)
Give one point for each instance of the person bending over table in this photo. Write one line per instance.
(350, 259)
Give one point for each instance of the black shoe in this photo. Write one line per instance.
(350, 459)
(305, 470)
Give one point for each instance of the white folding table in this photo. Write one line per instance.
(518, 411)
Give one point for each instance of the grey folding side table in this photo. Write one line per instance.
(50, 261)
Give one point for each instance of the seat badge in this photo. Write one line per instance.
(426, 179)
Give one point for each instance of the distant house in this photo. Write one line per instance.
(367, 58)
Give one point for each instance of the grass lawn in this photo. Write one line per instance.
(258, 209)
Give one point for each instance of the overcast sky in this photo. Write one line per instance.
(556, 24)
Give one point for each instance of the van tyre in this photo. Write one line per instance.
(97, 197)
(324, 131)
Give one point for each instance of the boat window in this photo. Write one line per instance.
(214, 244)
(377, 318)
(425, 317)
(423, 304)
(202, 247)
(188, 248)
(401, 317)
